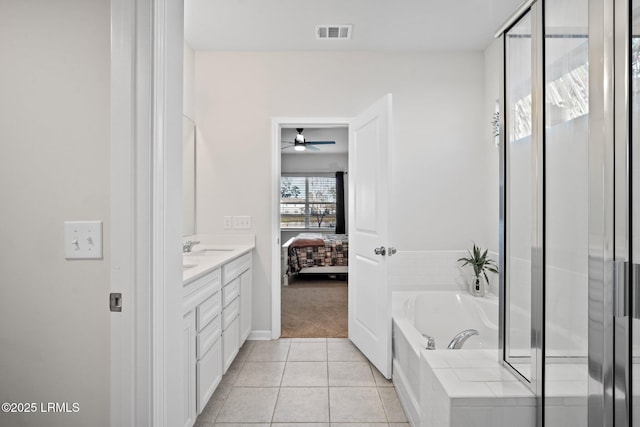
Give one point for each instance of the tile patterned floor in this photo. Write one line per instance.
(303, 382)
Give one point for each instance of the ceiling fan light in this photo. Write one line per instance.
(299, 147)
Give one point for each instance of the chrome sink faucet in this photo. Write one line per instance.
(188, 245)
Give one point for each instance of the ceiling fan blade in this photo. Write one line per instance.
(284, 148)
(312, 148)
(320, 142)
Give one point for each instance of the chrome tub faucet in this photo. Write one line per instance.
(457, 341)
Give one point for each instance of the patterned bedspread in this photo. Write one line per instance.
(334, 252)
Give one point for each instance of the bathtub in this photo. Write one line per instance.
(441, 315)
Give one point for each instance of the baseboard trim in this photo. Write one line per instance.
(259, 336)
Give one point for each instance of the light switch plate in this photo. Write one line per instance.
(83, 239)
(228, 223)
(242, 222)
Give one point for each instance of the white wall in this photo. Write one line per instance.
(492, 62)
(188, 86)
(442, 164)
(54, 166)
(319, 163)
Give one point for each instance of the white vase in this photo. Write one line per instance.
(478, 286)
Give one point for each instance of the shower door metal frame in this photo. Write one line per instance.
(609, 295)
(622, 178)
(609, 402)
(536, 380)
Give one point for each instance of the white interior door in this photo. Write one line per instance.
(369, 289)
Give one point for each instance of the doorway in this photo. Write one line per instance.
(310, 271)
(369, 300)
(313, 228)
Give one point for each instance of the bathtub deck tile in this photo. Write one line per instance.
(493, 374)
(471, 359)
(456, 388)
(437, 359)
(510, 389)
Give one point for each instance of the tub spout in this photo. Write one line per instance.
(457, 341)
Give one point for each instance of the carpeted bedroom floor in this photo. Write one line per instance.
(314, 307)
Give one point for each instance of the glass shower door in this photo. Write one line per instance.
(566, 171)
(634, 210)
(519, 195)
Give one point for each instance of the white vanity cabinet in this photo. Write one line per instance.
(246, 290)
(189, 367)
(216, 322)
(202, 344)
(236, 306)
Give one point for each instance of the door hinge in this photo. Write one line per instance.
(115, 301)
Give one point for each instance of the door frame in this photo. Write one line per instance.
(146, 219)
(277, 124)
(605, 225)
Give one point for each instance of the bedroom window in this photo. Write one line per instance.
(307, 202)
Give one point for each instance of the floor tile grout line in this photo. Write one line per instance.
(328, 384)
(286, 360)
(384, 408)
(232, 385)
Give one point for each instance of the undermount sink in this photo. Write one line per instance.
(207, 251)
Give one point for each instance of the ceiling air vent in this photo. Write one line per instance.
(333, 32)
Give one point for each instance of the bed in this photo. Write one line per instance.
(315, 253)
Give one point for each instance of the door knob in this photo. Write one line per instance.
(380, 251)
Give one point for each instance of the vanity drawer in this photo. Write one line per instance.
(230, 291)
(230, 313)
(234, 268)
(208, 336)
(200, 289)
(207, 311)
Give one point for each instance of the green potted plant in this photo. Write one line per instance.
(481, 263)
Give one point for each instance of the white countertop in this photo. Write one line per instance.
(212, 252)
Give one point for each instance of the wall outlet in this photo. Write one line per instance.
(228, 222)
(83, 239)
(242, 222)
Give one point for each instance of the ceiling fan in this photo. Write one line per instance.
(299, 143)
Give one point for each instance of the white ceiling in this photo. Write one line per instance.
(386, 25)
(339, 134)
